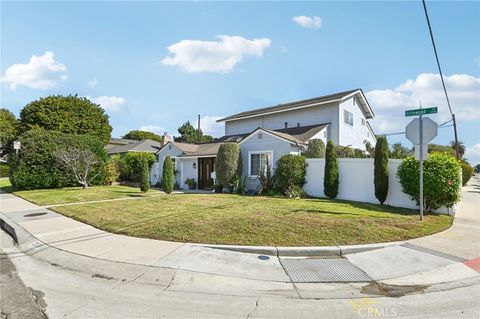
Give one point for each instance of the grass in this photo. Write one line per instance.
(244, 220)
(75, 194)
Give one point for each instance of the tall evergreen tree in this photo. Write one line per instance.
(330, 179)
(381, 169)
(168, 175)
(145, 181)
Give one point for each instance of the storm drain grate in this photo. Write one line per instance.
(323, 270)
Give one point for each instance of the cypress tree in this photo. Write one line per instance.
(167, 175)
(145, 181)
(330, 179)
(381, 169)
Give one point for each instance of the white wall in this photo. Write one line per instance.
(187, 171)
(326, 113)
(354, 135)
(356, 182)
(157, 168)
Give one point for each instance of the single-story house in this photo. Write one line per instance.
(120, 146)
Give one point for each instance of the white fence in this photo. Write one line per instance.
(356, 182)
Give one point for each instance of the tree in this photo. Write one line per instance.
(461, 147)
(145, 182)
(188, 134)
(139, 135)
(369, 148)
(399, 151)
(8, 131)
(168, 175)
(315, 149)
(80, 161)
(436, 148)
(345, 152)
(330, 179)
(68, 114)
(227, 165)
(380, 164)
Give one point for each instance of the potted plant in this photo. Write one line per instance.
(191, 183)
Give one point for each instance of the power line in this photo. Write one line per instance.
(441, 77)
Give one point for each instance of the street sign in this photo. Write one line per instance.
(413, 130)
(430, 110)
(17, 145)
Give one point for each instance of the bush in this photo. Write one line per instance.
(112, 172)
(37, 165)
(380, 163)
(168, 175)
(290, 175)
(315, 149)
(4, 169)
(345, 152)
(228, 166)
(133, 164)
(145, 181)
(441, 180)
(467, 172)
(330, 180)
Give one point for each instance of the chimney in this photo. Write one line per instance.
(286, 127)
(166, 138)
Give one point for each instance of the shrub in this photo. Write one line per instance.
(441, 180)
(168, 175)
(330, 180)
(467, 172)
(380, 163)
(315, 149)
(345, 152)
(290, 174)
(228, 165)
(266, 179)
(112, 172)
(436, 148)
(4, 169)
(37, 165)
(133, 164)
(145, 181)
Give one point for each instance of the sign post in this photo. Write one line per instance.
(16, 146)
(419, 131)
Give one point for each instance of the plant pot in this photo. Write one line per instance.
(192, 186)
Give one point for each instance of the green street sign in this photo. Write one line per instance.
(430, 110)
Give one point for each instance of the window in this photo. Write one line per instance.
(258, 162)
(348, 117)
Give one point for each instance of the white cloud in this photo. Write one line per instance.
(109, 103)
(41, 72)
(209, 125)
(389, 105)
(308, 22)
(154, 129)
(214, 56)
(472, 154)
(93, 83)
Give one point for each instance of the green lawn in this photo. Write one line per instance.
(244, 220)
(76, 194)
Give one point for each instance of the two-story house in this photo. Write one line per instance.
(266, 134)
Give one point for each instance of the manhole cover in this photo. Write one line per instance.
(35, 214)
(323, 270)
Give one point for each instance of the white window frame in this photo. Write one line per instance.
(345, 111)
(250, 161)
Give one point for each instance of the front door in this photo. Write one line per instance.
(206, 166)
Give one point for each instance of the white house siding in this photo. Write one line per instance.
(325, 113)
(187, 170)
(172, 151)
(356, 182)
(278, 146)
(353, 135)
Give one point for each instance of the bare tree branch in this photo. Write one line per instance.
(80, 161)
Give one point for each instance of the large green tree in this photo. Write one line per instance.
(380, 173)
(139, 135)
(189, 134)
(399, 151)
(68, 114)
(461, 147)
(8, 131)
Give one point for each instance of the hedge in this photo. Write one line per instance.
(37, 165)
(132, 166)
(228, 165)
(4, 169)
(467, 172)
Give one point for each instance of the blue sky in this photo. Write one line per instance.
(134, 59)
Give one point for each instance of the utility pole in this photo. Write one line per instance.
(457, 151)
(198, 130)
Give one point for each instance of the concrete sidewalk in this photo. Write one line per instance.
(436, 259)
